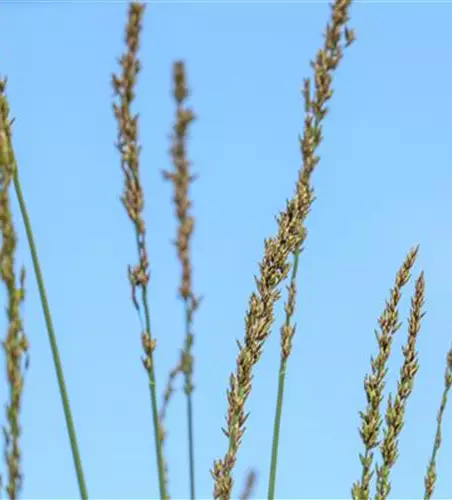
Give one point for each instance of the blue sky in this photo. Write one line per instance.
(383, 184)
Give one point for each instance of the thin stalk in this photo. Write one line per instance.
(276, 429)
(280, 398)
(430, 476)
(153, 392)
(52, 339)
(188, 386)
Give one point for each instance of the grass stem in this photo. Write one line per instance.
(154, 404)
(280, 397)
(430, 476)
(52, 339)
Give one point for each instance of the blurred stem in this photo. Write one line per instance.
(189, 391)
(52, 338)
(280, 398)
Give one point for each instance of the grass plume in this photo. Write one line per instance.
(133, 201)
(181, 179)
(395, 412)
(16, 344)
(375, 381)
(274, 267)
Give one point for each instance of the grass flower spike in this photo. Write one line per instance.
(181, 179)
(15, 345)
(374, 382)
(133, 202)
(395, 412)
(274, 267)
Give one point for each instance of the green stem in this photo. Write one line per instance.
(191, 446)
(52, 339)
(155, 416)
(189, 390)
(276, 429)
(279, 401)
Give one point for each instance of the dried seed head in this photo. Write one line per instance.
(374, 382)
(133, 200)
(290, 236)
(181, 178)
(396, 410)
(127, 143)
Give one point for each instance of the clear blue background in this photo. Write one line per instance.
(383, 184)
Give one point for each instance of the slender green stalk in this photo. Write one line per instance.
(189, 391)
(191, 447)
(48, 319)
(281, 384)
(52, 339)
(186, 366)
(430, 476)
(276, 429)
(153, 392)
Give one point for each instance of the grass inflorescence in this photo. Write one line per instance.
(133, 201)
(181, 179)
(375, 381)
(16, 344)
(380, 429)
